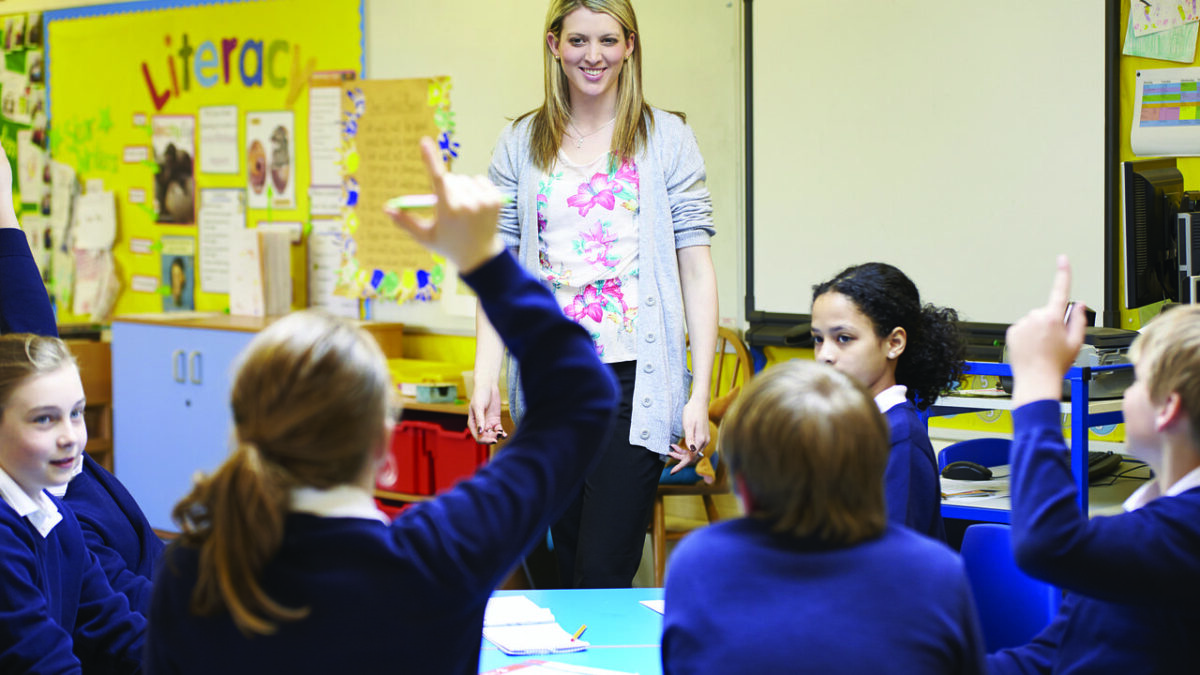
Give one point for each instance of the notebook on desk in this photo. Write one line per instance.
(518, 626)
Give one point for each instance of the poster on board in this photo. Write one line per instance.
(270, 159)
(174, 141)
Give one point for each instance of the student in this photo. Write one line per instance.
(113, 525)
(814, 579)
(285, 565)
(58, 613)
(868, 322)
(1131, 579)
(611, 211)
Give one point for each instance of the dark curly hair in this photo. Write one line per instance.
(933, 356)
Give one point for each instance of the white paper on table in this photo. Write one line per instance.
(222, 213)
(95, 221)
(656, 605)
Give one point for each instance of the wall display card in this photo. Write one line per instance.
(143, 284)
(219, 139)
(324, 259)
(325, 127)
(325, 201)
(96, 285)
(222, 213)
(1166, 112)
(1151, 16)
(31, 167)
(1175, 44)
(270, 159)
(14, 32)
(245, 275)
(95, 222)
(14, 97)
(383, 121)
(178, 273)
(174, 141)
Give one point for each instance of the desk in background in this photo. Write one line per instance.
(624, 634)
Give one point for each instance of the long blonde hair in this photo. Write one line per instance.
(633, 119)
(310, 399)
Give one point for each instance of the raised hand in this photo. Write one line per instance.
(1042, 346)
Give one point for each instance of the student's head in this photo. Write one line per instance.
(1166, 359)
(868, 321)
(602, 37)
(310, 403)
(42, 431)
(809, 448)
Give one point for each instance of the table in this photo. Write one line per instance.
(624, 634)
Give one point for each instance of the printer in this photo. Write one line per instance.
(1101, 347)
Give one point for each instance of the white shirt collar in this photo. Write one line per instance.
(891, 397)
(343, 501)
(1149, 492)
(60, 491)
(40, 511)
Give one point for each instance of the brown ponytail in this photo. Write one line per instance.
(310, 399)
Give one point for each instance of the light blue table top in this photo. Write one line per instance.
(624, 635)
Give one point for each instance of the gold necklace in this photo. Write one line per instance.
(579, 138)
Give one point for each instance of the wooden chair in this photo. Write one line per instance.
(95, 371)
(732, 368)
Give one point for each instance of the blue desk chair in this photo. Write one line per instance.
(1012, 606)
(985, 451)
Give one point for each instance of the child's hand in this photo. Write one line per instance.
(1042, 347)
(8, 216)
(464, 227)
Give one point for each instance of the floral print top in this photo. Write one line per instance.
(588, 249)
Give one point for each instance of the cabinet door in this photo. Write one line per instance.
(171, 413)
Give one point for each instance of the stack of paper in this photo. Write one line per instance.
(518, 626)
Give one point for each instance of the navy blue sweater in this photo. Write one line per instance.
(57, 612)
(1132, 579)
(24, 305)
(410, 597)
(741, 599)
(911, 484)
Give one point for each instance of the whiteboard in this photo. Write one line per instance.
(960, 141)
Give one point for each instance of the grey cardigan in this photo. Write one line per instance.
(675, 212)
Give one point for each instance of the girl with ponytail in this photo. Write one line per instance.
(868, 322)
(285, 564)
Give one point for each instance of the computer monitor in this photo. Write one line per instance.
(1151, 191)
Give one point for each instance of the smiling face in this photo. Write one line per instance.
(846, 339)
(591, 51)
(42, 433)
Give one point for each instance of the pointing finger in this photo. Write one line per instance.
(1060, 290)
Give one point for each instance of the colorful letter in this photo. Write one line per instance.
(206, 59)
(255, 47)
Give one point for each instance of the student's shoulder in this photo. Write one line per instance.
(910, 547)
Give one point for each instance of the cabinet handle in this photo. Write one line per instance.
(195, 362)
(177, 364)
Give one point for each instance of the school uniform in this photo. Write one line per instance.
(911, 485)
(113, 525)
(743, 599)
(57, 612)
(1131, 579)
(410, 596)
(24, 306)
(116, 530)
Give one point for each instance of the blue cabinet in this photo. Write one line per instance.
(170, 409)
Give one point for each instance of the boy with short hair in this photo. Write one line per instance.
(1133, 580)
(814, 579)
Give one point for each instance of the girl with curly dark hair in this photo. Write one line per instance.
(868, 321)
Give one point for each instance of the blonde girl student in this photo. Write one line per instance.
(868, 322)
(610, 210)
(832, 586)
(58, 613)
(285, 565)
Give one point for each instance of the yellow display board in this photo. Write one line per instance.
(195, 115)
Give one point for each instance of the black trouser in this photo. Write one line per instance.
(599, 539)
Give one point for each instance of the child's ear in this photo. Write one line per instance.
(897, 340)
(1169, 413)
(743, 493)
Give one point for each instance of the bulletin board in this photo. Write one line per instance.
(179, 106)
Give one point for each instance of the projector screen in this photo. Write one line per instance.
(963, 142)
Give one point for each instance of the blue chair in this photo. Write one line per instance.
(1012, 606)
(985, 451)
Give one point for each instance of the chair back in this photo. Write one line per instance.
(729, 370)
(1012, 606)
(985, 451)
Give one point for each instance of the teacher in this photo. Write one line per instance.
(610, 208)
